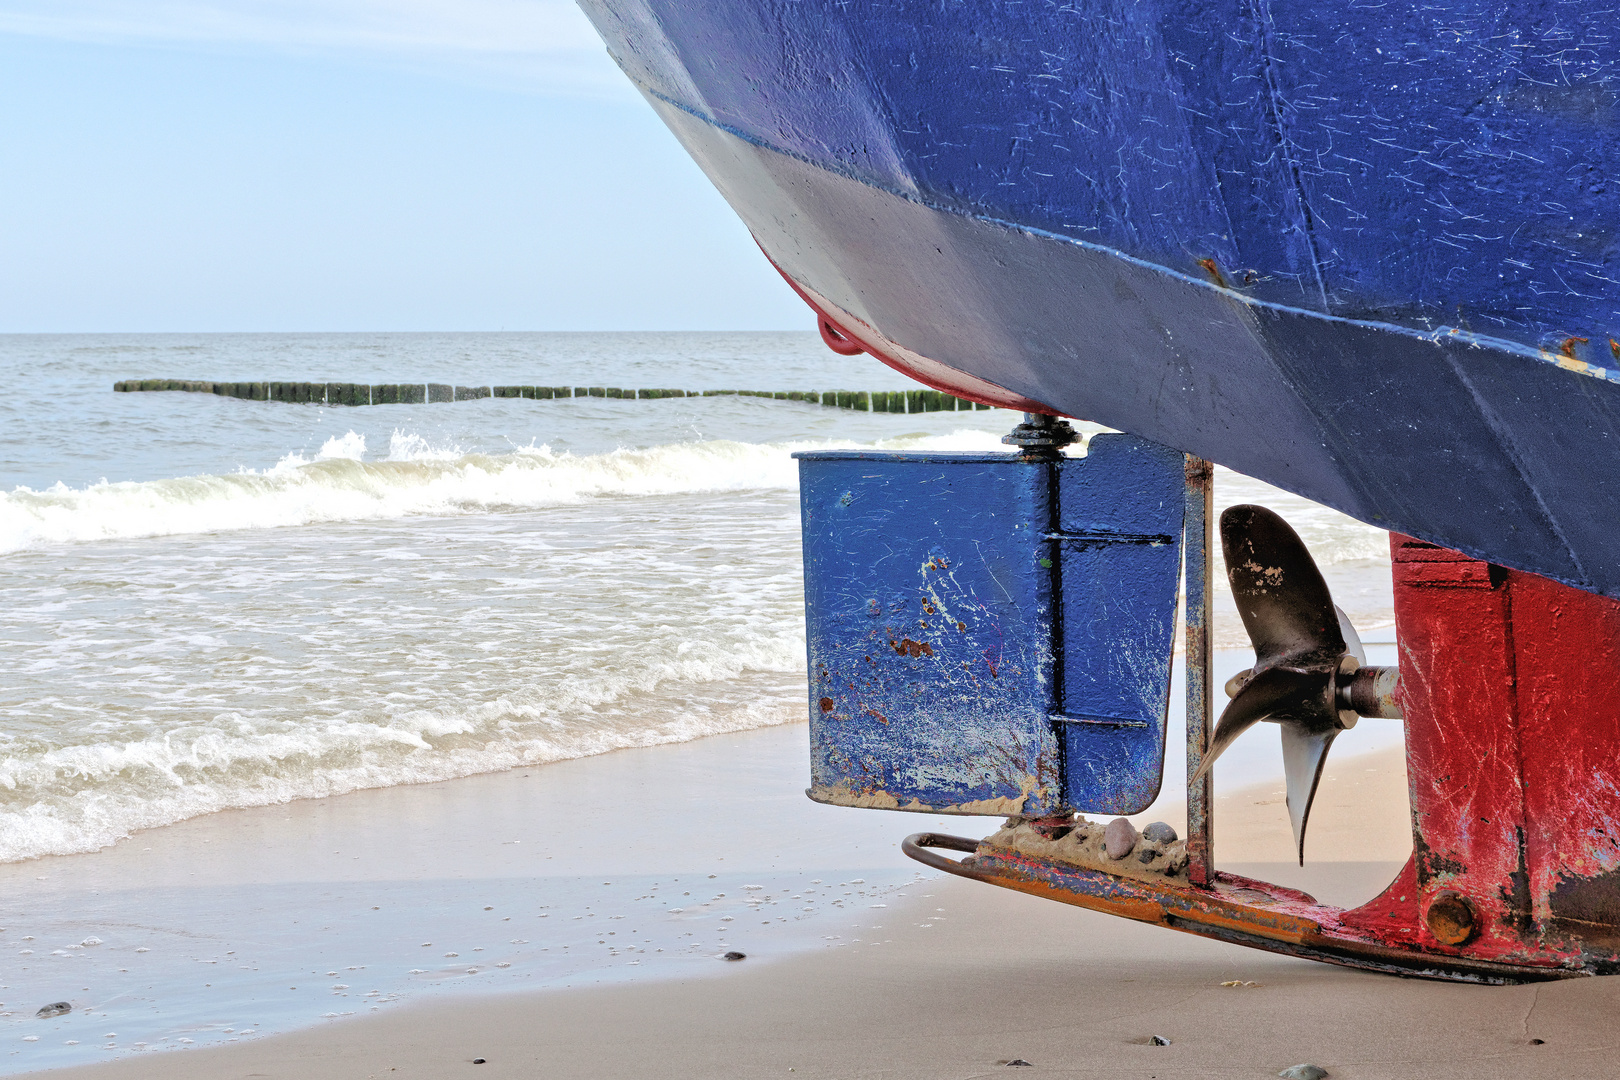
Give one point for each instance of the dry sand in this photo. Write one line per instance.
(994, 976)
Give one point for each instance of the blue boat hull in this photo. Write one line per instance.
(1215, 226)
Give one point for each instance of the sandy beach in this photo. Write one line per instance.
(313, 718)
(936, 978)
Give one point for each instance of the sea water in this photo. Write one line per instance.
(209, 603)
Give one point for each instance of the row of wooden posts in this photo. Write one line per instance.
(889, 401)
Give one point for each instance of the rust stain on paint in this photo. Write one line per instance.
(908, 647)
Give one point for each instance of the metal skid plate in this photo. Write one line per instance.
(989, 634)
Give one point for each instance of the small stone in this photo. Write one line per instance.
(55, 1008)
(1303, 1072)
(1146, 853)
(478, 1061)
(1019, 1063)
(1158, 1040)
(1119, 838)
(734, 955)
(1160, 833)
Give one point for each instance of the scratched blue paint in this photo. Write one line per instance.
(1119, 538)
(1387, 160)
(990, 635)
(1369, 253)
(928, 614)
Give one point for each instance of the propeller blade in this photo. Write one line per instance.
(1285, 604)
(1304, 753)
(1273, 691)
(1352, 640)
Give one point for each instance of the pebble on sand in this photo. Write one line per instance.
(1119, 838)
(1303, 1072)
(734, 955)
(1160, 832)
(55, 1008)
(1158, 1040)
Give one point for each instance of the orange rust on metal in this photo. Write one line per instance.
(1136, 909)
(1198, 567)
(907, 647)
(1375, 691)
(1567, 346)
(1159, 903)
(1451, 918)
(1052, 828)
(1446, 574)
(1198, 911)
(1213, 269)
(826, 704)
(1253, 913)
(1614, 347)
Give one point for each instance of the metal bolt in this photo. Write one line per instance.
(1041, 437)
(1451, 918)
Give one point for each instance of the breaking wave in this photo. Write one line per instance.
(415, 478)
(412, 478)
(74, 798)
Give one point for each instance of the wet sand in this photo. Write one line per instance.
(964, 977)
(637, 864)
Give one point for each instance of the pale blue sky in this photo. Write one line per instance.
(349, 165)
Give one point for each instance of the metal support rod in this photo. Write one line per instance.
(1198, 564)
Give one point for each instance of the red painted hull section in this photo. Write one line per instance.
(1513, 745)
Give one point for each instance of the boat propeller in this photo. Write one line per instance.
(1310, 675)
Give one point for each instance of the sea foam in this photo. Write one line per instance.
(121, 777)
(414, 478)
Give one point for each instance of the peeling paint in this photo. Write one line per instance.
(954, 662)
(1511, 743)
(883, 800)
